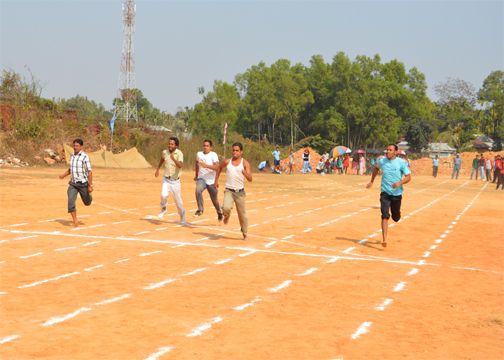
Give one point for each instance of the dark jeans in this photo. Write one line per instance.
(201, 185)
(434, 171)
(82, 189)
(390, 202)
(500, 182)
(496, 175)
(489, 174)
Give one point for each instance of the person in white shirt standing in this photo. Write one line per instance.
(173, 160)
(207, 165)
(81, 179)
(237, 170)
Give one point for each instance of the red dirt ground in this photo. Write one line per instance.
(311, 281)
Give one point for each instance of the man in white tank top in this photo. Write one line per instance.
(237, 170)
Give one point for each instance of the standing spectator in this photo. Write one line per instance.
(481, 165)
(346, 163)
(207, 164)
(81, 179)
(306, 161)
(497, 168)
(339, 164)
(173, 160)
(362, 164)
(500, 180)
(457, 162)
(488, 168)
(237, 170)
(474, 167)
(276, 159)
(435, 166)
(320, 166)
(291, 161)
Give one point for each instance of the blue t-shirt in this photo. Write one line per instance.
(458, 162)
(393, 171)
(435, 162)
(276, 155)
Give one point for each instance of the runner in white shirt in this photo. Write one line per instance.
(207, 164)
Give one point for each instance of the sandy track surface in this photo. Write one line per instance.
(310, 282)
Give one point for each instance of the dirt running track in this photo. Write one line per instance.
(311, 282)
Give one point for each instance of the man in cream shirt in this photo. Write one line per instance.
(207, 164)
(173, 159)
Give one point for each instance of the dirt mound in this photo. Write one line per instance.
(130, 159)
(298, 160)
(423, 166)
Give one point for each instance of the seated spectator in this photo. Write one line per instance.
(263, 165)
(320, 166)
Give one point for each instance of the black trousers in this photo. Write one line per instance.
(390, 202)
(82, 189)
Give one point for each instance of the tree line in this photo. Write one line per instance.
(361, 103)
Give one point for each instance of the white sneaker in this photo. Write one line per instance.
(161, 214)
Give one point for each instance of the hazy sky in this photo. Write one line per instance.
(74, 47)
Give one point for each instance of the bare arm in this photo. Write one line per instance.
(196, 170)
(161, 162)
(178, 164)
(65, 174)
(203, 164)
(406, 179)
(222, 165)
(246, 170)
(373, 175)
(90, 181)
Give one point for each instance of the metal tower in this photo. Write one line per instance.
(126, 108)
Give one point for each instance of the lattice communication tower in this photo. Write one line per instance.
(126, 109)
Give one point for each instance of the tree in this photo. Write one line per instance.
(491, 96)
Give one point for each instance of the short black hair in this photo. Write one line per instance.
(239, 144)
(208, 141)
(78, 141)
(394, 145)
(175, 139)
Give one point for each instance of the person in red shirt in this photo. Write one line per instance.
(497, 168)
(346, 163)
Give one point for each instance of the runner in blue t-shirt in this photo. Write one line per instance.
(392, 182)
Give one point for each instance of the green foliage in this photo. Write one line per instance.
(491, 96)
(317, 143)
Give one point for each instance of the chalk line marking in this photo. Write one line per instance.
(363, 329)
(349, 250)
(270, 244)
(16, 225)
(120, 261)
(288, 237)
(94, 267)
(400, 286)
(8, 339)
(36, 283)
(30, 256)
(25, 237)
(252, 251)
(91, 243)
(66, 248)
(114, 299)
(198, 331)
(195, 271)
(220, 262)
(159, 284)
(150, 253)
(283, 285)
(308, 272)
(141, 233)
(59, 319)
(307, 230)
(384, 304)
(412, 272)
(246, 305)
(161, 351)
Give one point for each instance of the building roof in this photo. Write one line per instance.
(438, 147)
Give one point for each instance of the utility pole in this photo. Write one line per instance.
(126, 107)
